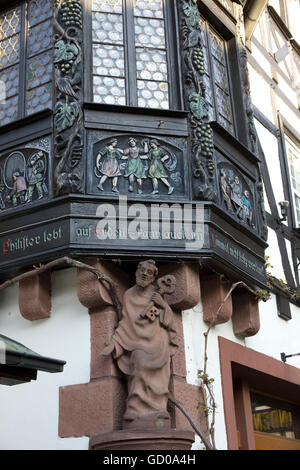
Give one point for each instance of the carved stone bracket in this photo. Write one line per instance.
(245, 316)
(68, 122)
(214, 291)
(241, 306)
(35, 297)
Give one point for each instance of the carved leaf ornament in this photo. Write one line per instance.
(198, 106)
(192, 12)
(64, 52)
(65, 114)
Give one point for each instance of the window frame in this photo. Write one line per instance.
(209, 25)
(130, 76)
(291, 141)
(24, 58)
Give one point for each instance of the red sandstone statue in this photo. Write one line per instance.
(143, 344)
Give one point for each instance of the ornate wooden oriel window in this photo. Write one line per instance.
(26, 59)
(131, 54)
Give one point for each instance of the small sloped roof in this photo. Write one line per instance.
(13, 353)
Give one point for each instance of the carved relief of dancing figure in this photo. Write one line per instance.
(135, 168)
(107, 163)
(157, 171)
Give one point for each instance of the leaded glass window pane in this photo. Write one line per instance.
(149, 33)
(108, 60)
(10, 27)
(38, 11)
(108, 6)
(26, 44)
(151, 54)
(216, 77)
(39, 57)
(10, 23)
(137, 76)
(107, 28)
(149, 8)
(9, 110)
(108, 52)
(109, 90)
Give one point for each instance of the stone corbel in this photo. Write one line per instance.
(245, 316)
(213, 293)
(35, 297)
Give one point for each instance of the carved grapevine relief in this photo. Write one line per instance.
(202, 136)
(68, 173)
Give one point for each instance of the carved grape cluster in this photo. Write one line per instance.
(71, 13)
(205, 134)
(198, 60)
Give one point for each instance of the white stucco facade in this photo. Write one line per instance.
(29, 412)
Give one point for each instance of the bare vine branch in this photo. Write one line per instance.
(206, 384)
(191, 421)
(107, 283)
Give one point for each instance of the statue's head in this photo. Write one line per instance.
(146, 273)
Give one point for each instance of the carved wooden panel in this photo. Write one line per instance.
(131, 165)
(24, 174)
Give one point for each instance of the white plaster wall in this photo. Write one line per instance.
(193, 328)
(277, 335)
(29, 412)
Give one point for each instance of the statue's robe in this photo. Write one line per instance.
(143, 348)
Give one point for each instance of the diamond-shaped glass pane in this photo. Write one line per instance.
(10, 23)
(9, 51)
